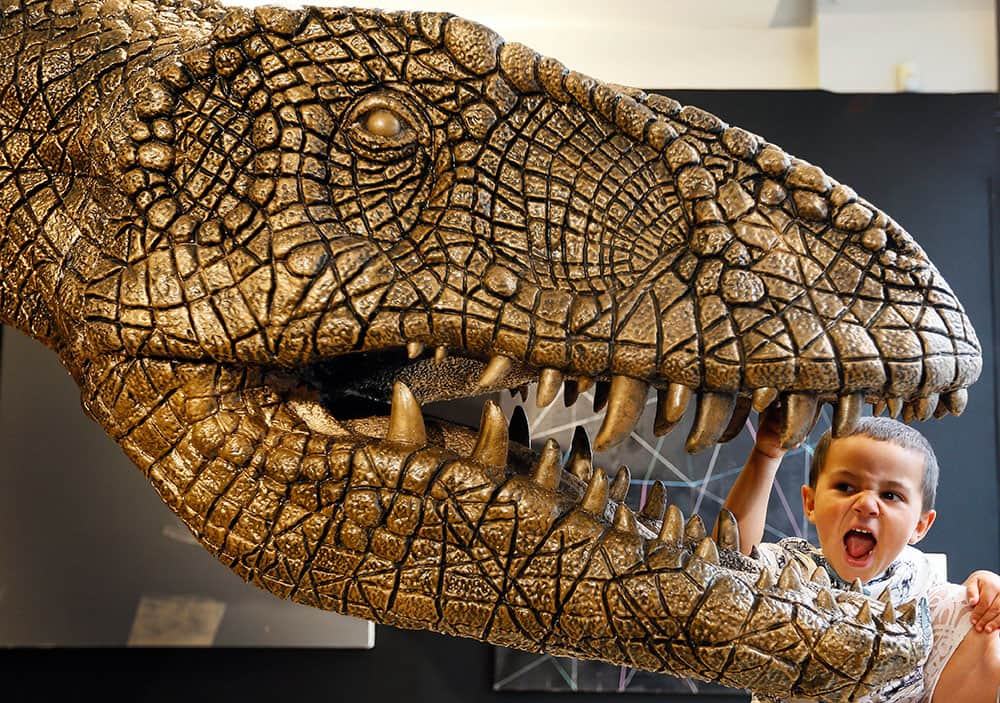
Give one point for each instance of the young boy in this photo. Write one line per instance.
(871, 496)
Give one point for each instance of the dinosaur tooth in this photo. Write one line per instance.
(440, 353)
(625, 519)
(942, 408)
(798, 417)
(878, 407)
(727, 531)
(580, 456)
(889, 612)
(712, 416)
(956, 401)
(926, 405)
(583, 384)
(495, 370)
(549, 382)
(821, 577)
(736, 423)
(789, 579)
(620, 484)
(824, 599)
(707, 551)
(656, 502)
(865, 614)
(908, 612)
(406, 422)
(518, 429)
(596, 497)
(765, 580)
(670, 407)
(548, 471)
(763, 397)
(571, 392)
(847, 412)
(672, 529)
(895, 405)
(626, 401)
(694, 530)
(491, 443)
(857, 587)
(601, 393)
(414, 349)
(909, 412)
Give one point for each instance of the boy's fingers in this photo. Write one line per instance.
(972, 592)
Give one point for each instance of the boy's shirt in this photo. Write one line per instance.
(909, 576)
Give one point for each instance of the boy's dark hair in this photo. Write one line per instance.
(885, 429)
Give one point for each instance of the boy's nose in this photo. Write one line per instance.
(866, 503)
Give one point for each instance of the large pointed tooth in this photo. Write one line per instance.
(926, 406)
(656, 502)
(845, 417)
(727, 531)
(824, 599)
(626, 401)
(672, 529)
(549, 382)
(821, 577)
(548, 471)
(414, 349)
(601, 393)
(707, 551)
(857, 586)
(571, 392)
(909, 412)
(583, 384)
(518, 429)
(942, 408)
(596, 497)
(765, 580)
(798, 416)
(736, 423)
(495, 370)
(908, 612)
(440, 353)
(878, 407)
(580, 457)
(620, 484)
(625, 519)
(889, 612)
(491, 444)
(711, 419)
(895, 405)
(406, 422)
(956, 401)
(670, 407)
(865, 614)
(694, 530)
(763, 397)
(789, 579)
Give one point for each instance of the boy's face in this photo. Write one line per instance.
(867, 505)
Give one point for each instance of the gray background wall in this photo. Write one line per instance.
(926, 159)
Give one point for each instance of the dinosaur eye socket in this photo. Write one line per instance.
(383, 123)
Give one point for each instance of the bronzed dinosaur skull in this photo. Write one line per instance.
(261, 240)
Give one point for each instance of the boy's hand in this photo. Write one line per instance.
(983, 591)
(768, 440)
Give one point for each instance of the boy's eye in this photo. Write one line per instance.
(890, 495)
(843, 487)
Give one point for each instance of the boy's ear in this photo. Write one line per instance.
(923, 524)
(808, 503)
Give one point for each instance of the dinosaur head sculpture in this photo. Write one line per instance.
(261, 239)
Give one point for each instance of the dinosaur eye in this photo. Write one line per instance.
(383, 123)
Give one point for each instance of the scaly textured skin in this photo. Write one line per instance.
(229, 224)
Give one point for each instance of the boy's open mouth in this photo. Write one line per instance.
(859, 544)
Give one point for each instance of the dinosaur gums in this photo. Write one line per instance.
(261, 240)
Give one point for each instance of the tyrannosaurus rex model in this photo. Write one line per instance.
(260, 240)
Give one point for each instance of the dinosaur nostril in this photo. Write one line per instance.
(383, 123)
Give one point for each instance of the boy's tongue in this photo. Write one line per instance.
(858, 543)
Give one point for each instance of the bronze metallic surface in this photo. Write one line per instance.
(260, 240)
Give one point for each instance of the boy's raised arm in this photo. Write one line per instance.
(748, 498)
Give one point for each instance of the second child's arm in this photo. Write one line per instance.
(748, 498)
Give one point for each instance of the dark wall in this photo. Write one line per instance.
(925, 159)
